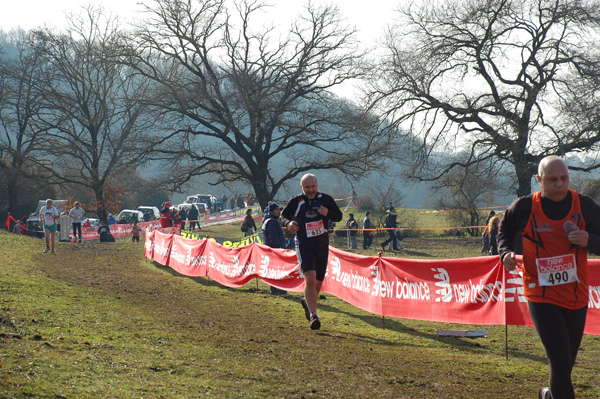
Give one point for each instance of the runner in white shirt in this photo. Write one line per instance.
(77, 215)
(48, 216)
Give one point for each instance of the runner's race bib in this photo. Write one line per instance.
(314, 229)
(557, 270)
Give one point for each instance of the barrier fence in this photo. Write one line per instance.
(468, 291)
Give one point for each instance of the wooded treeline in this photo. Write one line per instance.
(462, 92)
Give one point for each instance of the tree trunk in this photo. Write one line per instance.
(101, 206)
(524, 173)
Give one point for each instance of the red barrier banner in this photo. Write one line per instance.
(468, 291)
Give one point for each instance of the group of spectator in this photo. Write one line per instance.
(171, 216)
(237, 201)
(391, 226)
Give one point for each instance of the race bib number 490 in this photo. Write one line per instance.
(316, 228)
(557, 270)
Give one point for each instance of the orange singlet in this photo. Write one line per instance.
(555, 271)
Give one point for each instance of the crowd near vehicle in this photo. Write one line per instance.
(197, 198)
(130, 215)
(202, 208)
(93, 222)
(154, 212)
(206, 198)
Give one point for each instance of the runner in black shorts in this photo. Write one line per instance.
(307, 215)
(313, 259)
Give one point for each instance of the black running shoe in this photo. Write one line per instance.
(305, 306)
(315, 323)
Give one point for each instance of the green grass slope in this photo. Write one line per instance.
(100, 321)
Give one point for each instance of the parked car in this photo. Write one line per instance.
(154, 212)
(206, 198)
(128, 213)
(191, 199)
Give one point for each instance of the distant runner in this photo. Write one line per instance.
(48, 216)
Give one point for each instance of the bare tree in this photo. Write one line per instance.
(98, 117)
(252, 108)
(462, 190)
(21, 134)
(510, 81)
(384, 193)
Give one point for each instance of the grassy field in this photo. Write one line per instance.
(101, 321)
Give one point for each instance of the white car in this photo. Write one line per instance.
(154, 212)
(129, 214)
(191, 199)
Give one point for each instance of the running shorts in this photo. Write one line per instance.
(313, 259)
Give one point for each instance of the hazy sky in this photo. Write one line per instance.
(369, 17)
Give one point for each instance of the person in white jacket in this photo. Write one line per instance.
(76, 214)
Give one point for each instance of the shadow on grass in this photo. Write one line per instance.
(388, 323)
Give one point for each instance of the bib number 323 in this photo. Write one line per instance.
(557, 270)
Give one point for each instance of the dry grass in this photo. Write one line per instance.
(98, 321)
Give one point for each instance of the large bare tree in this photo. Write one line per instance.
(507, 81)
(98, 118)
(245, 105)
(22, 137)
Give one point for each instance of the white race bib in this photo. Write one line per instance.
(314, 229)
(557, 270)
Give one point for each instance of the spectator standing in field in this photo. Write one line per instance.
(182, 215)
(352, 231)
(224, 202)
(135, 232)
(492, 235)
(23, 226)
(48, 216)
(240, 201)
(399, 238)
(111, 219)
(307, 215)
(367, 234)
(232, 202)
(76, 213)
(165, 215)
(559, 227)
(484, 237)
(175, 218)
(147, 216)
(249, 223)
(391, 225)
(273, 235)
(192, 217)
(103, 231)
